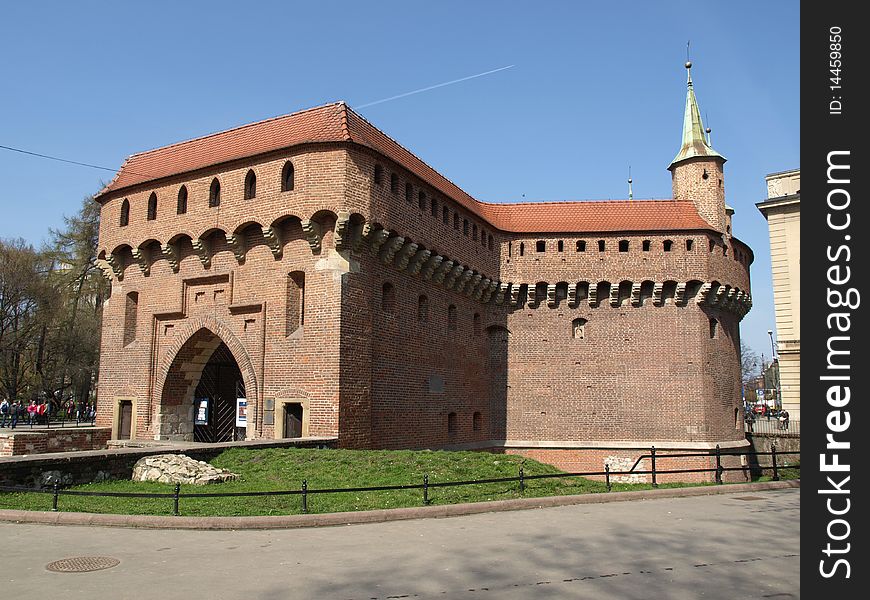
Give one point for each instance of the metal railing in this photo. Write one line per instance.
(425, 486)
(773, 426)
(57, 420)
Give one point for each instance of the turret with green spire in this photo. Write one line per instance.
(697, 170)
(695, 143)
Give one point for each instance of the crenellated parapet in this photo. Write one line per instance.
(710, 294)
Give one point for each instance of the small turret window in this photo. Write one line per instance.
(623, 245)
(540, 246)
(646, 245)
(667, 244)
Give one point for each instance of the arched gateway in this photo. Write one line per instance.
(202, 381)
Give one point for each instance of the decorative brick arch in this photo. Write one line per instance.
(217, 332)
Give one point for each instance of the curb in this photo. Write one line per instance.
(373, 516)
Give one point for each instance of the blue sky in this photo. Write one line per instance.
(595, 87)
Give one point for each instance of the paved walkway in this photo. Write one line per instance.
(730, 546)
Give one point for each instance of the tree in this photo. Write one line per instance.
(750, 367)
(70, 353)
(50, 310)
(26, 304)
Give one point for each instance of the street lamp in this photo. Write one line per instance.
(772, 348)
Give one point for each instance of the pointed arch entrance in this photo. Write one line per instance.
(202, 378)
(215, 399)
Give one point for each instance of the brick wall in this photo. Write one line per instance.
(646, 369)
(42, 441)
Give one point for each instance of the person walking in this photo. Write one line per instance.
(15, 412)
(750, 420)
(32, 411)
(783, 420)
(4, 412)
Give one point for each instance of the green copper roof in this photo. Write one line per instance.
(694, 141)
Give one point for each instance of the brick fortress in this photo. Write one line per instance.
(315, 267)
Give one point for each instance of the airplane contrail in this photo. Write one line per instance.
(432, 87)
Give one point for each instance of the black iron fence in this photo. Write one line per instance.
(59, 419)
(425, 485)
(773, 426)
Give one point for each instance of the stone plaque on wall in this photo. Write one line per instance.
(268, 417)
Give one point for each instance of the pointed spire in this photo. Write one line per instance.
(695, 141)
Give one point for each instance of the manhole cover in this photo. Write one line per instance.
(748, 498)
(82, 564)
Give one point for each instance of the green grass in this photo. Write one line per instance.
(285, 468)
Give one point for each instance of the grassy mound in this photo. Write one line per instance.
(276, 469)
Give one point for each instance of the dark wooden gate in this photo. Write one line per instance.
(221, 383)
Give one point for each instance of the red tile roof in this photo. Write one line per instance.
(338, 123)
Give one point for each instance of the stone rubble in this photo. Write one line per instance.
(178, 468)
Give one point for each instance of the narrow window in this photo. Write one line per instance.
(601, 245)
(422, 309)
(489, 243)
(522, 248)
(451, 422)
(464, 226)
(250, 185)
(421, 200)
(445, 215)
(125, 212)
(477, 321)
(433, 207)
(409, 192)
(181, 208)
(689, 244)
(510, 248)
(451, 317)
(477, 421)
(560, 246)
(131, 314)
(667, 244)
(379, 174)
(394, 183)
(581, 246)
(456, 221)
(713, 324)
(152, 207)
(295, 315)
(474, 231)
(540, 246)
(646, 245)
(214, 193)
(388, 298)
(578, 329)
(483, 238)
(623, 245)
(287, 177)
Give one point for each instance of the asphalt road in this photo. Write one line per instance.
(729, 547)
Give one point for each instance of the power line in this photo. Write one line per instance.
(432, 87)
(72, 162)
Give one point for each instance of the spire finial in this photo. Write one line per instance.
(630, 195)
(688, 62)
(695, 142)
